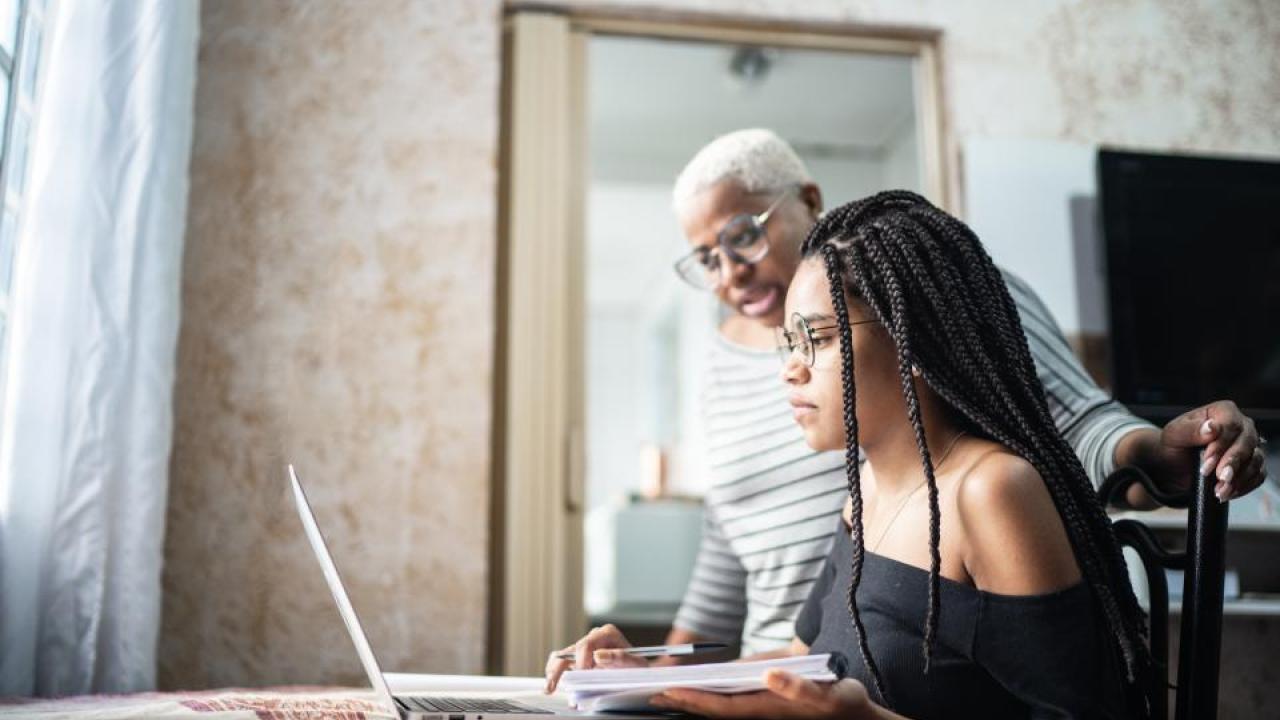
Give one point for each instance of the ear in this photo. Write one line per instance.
(811, 195)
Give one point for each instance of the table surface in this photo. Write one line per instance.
(276, 703)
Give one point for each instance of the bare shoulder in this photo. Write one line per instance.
(1000, 482)
(1014, 540)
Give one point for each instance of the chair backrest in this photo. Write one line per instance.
(1203, 565)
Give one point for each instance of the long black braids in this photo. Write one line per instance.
(898, 313)
(928, 280)
(852, 467)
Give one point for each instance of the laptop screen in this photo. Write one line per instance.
(340, 594)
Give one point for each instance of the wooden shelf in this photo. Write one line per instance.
(1242, 607)
(1177, 519)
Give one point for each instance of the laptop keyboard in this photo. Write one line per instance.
(468, 705)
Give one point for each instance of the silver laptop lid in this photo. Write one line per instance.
(340, 594)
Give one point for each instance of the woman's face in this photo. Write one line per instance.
(755, 290)
(816, 392)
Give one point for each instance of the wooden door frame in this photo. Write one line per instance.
(538, 484)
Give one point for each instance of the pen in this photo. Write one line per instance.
(660, 650)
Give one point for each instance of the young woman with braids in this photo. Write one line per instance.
(974, 573)
(746, 203)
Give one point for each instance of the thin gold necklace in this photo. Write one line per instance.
(945, 454)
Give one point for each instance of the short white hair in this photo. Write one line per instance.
(756, 159)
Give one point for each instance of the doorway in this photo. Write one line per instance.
(602, 347)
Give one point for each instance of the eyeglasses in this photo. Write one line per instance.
(742, 239)
(802, 338)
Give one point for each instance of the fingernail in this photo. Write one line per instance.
(659, 701)
(1207, 466)
(1220, 491)
(1206, 428)
(1225, 474)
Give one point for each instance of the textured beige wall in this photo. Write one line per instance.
(338, 311)
(1193, 75)
(338, 291)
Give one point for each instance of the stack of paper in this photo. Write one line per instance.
(630, 688)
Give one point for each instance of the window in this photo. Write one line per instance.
(22, 24)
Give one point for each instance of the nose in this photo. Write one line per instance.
(733, 272)
(794, 371)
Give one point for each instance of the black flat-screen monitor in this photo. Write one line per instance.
(1193, 275)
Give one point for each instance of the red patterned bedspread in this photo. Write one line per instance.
(280, 703)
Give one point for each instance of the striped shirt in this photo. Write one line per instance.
(771, 500)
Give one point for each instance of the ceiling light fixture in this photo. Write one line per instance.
(750, 64)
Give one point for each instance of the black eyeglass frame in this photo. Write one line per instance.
(787, 346)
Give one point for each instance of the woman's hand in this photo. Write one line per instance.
(602, 647)
(1233, 453)
(788, 696)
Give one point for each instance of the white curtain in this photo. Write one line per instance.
(87, 416)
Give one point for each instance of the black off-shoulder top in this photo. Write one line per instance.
(995, 656)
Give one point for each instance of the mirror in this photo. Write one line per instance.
(651, 105)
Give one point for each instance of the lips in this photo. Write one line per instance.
(757, 301)
(801, 408)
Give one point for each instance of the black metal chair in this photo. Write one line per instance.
(1203, 566)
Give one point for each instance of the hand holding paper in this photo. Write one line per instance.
(631, 688)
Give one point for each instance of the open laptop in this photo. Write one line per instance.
(424, 707)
